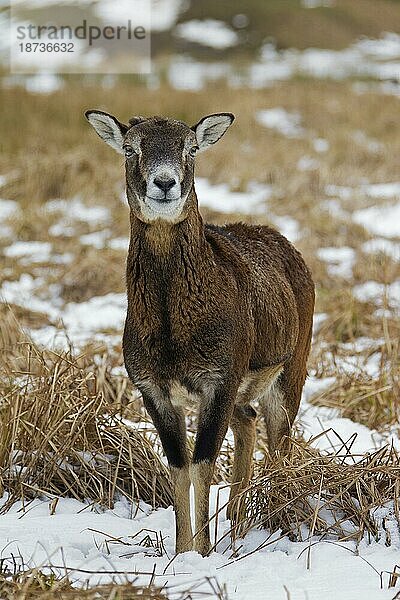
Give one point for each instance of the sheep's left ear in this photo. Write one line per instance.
(211, 128)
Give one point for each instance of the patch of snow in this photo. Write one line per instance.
(317, 3)
(341, 260)
(382, 246)
(99, 312)
(96, 239)
(184, 73)
(24, 292)
(371, 144)
(8, 208)
(342, 192)
(381, 220)
(61, 259)
(382, 190)
(77, 537)
(318, 319)
(387, 47)
(314, 386)
(62, 339)
(207, 32)
(284, 122)
(334, 207)
(121, 243)
(287, 226)
(164, 13)
(321, 145)
(45, 83)
(372, 291)
(261, 75)
(76, 210)
(318, 419)
(79, 211)
(32, 251)
(159, 15)
(220, 198)
(307, 163)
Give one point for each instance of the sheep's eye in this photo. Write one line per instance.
(129, 151)
(193, 150)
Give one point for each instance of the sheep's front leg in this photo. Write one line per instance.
(170, 424)
(213, 422)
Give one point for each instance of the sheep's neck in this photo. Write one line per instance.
(170, 275)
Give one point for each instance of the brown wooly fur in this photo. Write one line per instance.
(217, 315)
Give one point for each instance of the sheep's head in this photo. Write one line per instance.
(159, 159)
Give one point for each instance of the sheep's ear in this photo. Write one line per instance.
(108, 128)
(211, 128)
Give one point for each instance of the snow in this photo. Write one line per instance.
(336, 430)
(339, 432)
(367, 142)
(321, 145)
(25, 292)
(208, 32)
(164, 14)
(372, 291)
(80, 536)
(82, 321)
(76, 210)
(341, 260)
(307, 163)
(341, 191)
(381, 220)
(316, 3)
(96, 239)
(121, 243)
(219, 197)
(284, 122)
(287, 226)
(45, 83)
(185, 73)
(372, 59)
(7, 209)
(382, 246)
(32, 251)
(99, 312)
(381, 190)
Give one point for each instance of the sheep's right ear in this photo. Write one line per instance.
(108, 128)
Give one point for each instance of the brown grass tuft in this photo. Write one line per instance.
(307, 493)
(65, 434)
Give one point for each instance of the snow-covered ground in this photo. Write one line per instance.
(99, 544)
(378, 59)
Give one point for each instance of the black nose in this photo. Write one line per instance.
(164, 184)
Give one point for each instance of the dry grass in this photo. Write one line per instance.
(293, 26)
(71, 160)
(308, 494)
(62, 430)
(17, 582)
(32, 585)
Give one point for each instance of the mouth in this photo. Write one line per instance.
(165, 208)
(164, 200)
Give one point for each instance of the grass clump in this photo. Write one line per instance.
(309, 494)
(63, 433)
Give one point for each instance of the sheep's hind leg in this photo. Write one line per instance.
(243, 425)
